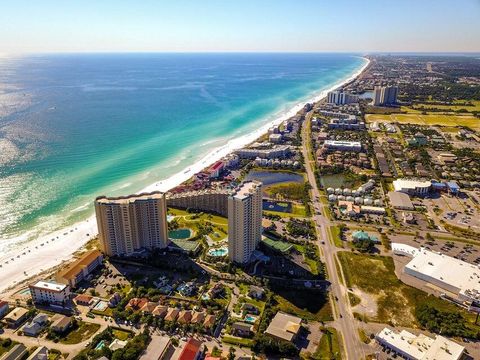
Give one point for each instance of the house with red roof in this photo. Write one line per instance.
(192, 350)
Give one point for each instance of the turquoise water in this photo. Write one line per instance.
(218, 252)
(100, 345)
(250, 319)
(180, 234)
(73, 127)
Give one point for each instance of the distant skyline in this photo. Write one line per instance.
(238, 26)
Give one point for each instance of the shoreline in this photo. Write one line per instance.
(50, 250)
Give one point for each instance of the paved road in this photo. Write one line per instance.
(344, 319)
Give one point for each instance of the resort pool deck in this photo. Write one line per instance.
(223, 251)
(180, 234)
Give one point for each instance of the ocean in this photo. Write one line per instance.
(75, 126)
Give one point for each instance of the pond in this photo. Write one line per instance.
(180, 234)
(280, 206)
(341, 180)
(274, 177)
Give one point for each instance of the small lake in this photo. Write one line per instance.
(279, 206)
(274, 177)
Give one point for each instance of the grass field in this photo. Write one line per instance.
(297, 211)
(237, 341)
(121, 334)
(475, 107)
(185, 219)
(299, 303)
(83, 332)
(431, 119)
(329, 346)
(396, 301)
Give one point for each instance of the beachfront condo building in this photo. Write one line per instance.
(129, 223)
(385, 95)
(47, 292)
(341, 98)
(244, 221)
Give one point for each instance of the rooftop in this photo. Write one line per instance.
(245, 189)
(421, 347)
(129, 198)
(51, 286)
(446, 269)
(410, 184)
(73, 269)
(284, 326)
(158, 345)
(401, 200)
(192, 347)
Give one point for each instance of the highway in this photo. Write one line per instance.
(343, 316)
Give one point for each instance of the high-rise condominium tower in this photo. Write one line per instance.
(128, 223)
(244, 221)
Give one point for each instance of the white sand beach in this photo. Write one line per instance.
(46, 252)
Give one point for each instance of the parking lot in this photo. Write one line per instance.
(458, 211)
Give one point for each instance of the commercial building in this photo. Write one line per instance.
(412, 187)
(80, 269)
(455, 276)
(244, 221)
(400, 200)
(385, 95)
(128, 223)
(204, 200)
(339, 97)
(284, 326)
(45, 292)
(421, 347)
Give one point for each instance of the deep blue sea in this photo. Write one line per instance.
(76, 126)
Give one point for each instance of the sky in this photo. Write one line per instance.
(239, 25)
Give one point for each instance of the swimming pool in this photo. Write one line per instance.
(223, 251)
(100, 345)
(250, 319)
(180, 234)
(101, 306)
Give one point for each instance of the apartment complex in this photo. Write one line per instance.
(244, 221)
(385, 95)
(128, 223)
(80, 269)
(45, 292)
(204, 200)
(341, 98)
